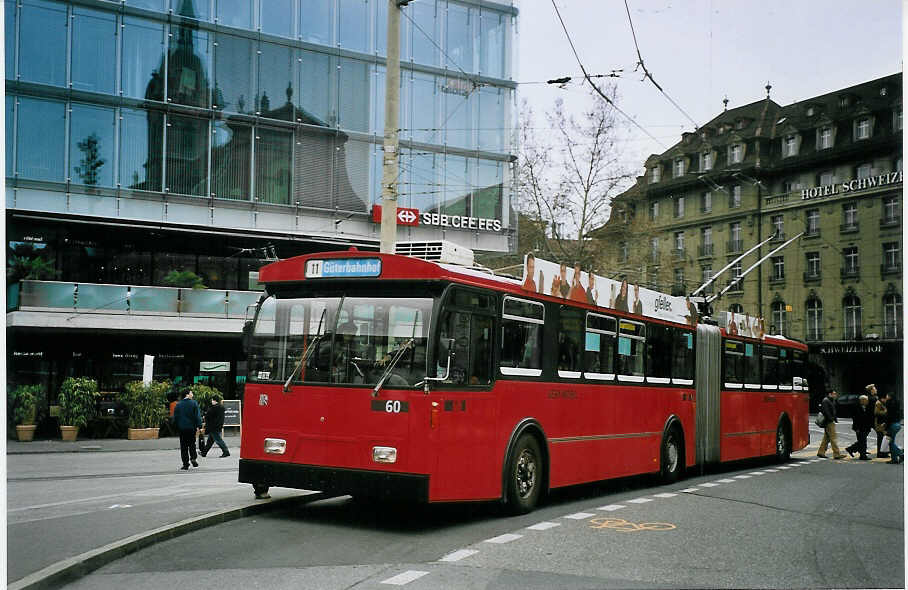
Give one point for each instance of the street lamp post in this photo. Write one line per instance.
(390, 147)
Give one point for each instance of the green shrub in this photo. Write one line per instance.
(23, 403)
(145, 404)
(78, 399)
(203, 394)
(184, 278)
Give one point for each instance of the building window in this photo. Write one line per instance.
(40, 139)
(679, 207)
(898, 165)
(814, 319)
(863, 171)
(734, 237)
(679, 241)
(141, 74)
(734, 197)
(655, 174)
(736, 271)
(91, 145)
(654, 210)
(778, 268)
(679, 277)
(778, 227)
(844, 101)
(706, 274)
(850, 257)
(851, 305)
(42, 43)
(791, 185)
(849, 217)
(890, 210)
(824, 138)
(811, 111)
(813, 222)
(813, 265)
(706, 241)
(789, 146)
(187, 156)
(622, 249)
(706, 202)
(273, 17)
(654, 250)
(892, 316)
(94, 44)
(735, 153)
(826, 177)
(892, 257)
(679, 167)
(706, 161)
(897, 118)
(862, 128)
(778, 318)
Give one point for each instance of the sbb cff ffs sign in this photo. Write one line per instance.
(413, 217)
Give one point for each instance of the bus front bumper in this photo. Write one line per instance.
(357, 482)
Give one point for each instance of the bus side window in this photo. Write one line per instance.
(631, 350)
(733, 369)
(521, 337)
(570, 350)
(799, 370)
(658, 353)
(683, 357)
(785, 364)
(471, 330)
(599, 347)
(770, 366)
(751, 366)
(481, 350)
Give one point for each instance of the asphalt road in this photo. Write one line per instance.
(809, 523)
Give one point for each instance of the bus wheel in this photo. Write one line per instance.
(524, 475)
(671, 456)
(261, 491)
(783, 444)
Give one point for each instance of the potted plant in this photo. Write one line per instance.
(77, 399)
(145, 407)
(24, 405)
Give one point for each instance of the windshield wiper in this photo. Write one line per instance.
(398, 354)
(304, 358)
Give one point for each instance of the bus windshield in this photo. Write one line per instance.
(341, 340)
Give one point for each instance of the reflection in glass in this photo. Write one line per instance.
(276, 17)
(457, 186)
(42, 42)
(316, 21)
(94, 47)
(143, 59)
(312, 164)
(9, 23)
(233, 70)
(187, 75)
(491, 50)
(351, 174)
(425, 107)
(141, 142)
(187, 155)
(230, 160)
(156, 5)
(422, 192)
(40, 139)
(491, 119)
(487, 194)
(274, 98)
(316, 84)
(354, 95)
(381, 30)
(91, 145)
(458, 114)
(459, 42)
(197, 9)
(353, 26)
(423, 15)
(10, 129)
(235, 13)
(273, 153)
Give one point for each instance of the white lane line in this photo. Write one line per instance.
(640, 500)
(611, 507)
(665, 495)
(459, 554)
(690, 490)
(543, 526)
(404, 578)
(505, 538)
(795, 464)
(742, 477)
(772, 471)
(708, 485)
(784, 467)
(757, 473)
(726, 480)
(579, 515)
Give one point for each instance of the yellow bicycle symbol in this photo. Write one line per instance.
(623, 526)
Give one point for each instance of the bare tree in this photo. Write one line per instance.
(569, 175)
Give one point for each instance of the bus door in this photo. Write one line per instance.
(466, 414)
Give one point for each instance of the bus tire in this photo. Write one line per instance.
(783, 442)
(671, 455)
(260, 491)
(524, 475)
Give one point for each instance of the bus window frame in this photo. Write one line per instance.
(725, 353)
(614, 335)
(571, 374)
(642, 339)
(763, 349)
(446, 303)
(757, 358)
(693, 348)
(648, 361)
(521, 371)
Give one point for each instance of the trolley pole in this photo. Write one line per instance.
(390, 170)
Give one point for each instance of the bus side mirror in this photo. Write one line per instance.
(247, 336)
(445, 349)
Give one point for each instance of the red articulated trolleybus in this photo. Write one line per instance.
(388, 376)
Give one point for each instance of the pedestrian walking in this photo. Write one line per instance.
(827, 408)
(862, 424)
(879, 416)
(893, 426)
(214, 424)
(187, 418)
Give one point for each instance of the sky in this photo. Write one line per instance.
(700, 51)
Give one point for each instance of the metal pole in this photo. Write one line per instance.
(392, 109)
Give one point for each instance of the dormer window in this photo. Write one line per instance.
(862, 128)
(884, 91)
(678, 168)
(706, 161)
(655, 174)
(897, 118)
(811, 111)
(735, 153)
(789, 146)
(844, 101)
(740, 123)
(863, 171)
(824, 138)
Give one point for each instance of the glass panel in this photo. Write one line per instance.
(10, 125)
(153, 299)
(491, 51)
(273, 153)
(659, 343)
(91, 145)
(275, 87)
(156, 5)
(456, 187)
(458, 114)
(570, 345)
(425, 107)
(94, 50)
(239, 301)
(9, 31)
(188, 76)
(487, 195)
(352, 175)
(353, 24)
(313, 165)
(316, 19)
(491, 119)
(314, 102)
(277, 17)
(40, 139)
(354, 94)
(422, 191)
(683, 357)
(187, 155)
(106, 297)
(381, 29)
(233, 70)
(235, 13)
(42, 42)
(523, 308)
(143, 59)
(204, 301)
(460, 38)
(230, 163)
(424, 31)
(141, 143)
(197, 9)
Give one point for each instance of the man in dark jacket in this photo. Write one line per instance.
(827, 408)
(893, 426)
(187, 418)
(862, 424)
(214, 424)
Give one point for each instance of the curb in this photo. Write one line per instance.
(68, 570)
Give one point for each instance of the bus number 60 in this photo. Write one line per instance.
(392, 406)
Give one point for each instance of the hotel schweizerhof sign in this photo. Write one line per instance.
(857, 184)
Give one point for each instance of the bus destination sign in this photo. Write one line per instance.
(343, 268)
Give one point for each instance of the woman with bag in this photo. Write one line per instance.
(879, 413)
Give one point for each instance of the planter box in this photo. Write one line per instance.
(25, 432)
(141, 433)
(69, 433)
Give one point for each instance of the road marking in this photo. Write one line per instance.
(611, 507)
(459, 554)
(112, 506)
(579, 515)
(505, 538)
(640, 500)
(708, 485)
(543, 526)
(757, 473)
(665, 495)
(784, 467)
(404, 578)
(690, 490)
(742, 477)
(772, 471)
(795, 464)
(623, 526)
(726, 480)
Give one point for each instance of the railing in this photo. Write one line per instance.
(706, 250)
(678, 253)
(890, 269)
(734, 247)
(812, 275)
(777, 278)
(847, 228)
(850, 271)
(129, 299)
(890, 221)
(735, 285)
(812, 232)
(779, 236)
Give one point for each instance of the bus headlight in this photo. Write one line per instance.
(384, 454)
(275, 446)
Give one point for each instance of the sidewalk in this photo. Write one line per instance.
(88, 445)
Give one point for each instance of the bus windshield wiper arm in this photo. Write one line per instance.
(398, 354)
(307, 353)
